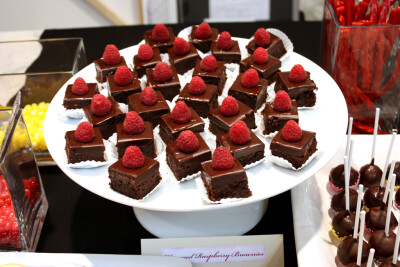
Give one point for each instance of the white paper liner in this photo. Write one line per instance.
(184, 33)
(286, 42)
(253, 164)
(232, 72)
(123, 107)
(286, 164)
(75, 114)
(203, 192)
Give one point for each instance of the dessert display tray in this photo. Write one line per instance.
(328, 119)
(311, 202)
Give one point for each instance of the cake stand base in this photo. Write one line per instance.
(220, 222)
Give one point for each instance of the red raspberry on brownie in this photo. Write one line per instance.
(203, 31)
(229, 106)
(100, 105)
(222, 159)
(250, 78)
(297, 73)
(187, 142)
(225, 41)
(181, 113)
(239, 133)
(160, 33)
(197, 86)
(79, 87)
(162, 72)
(291, 132)
(123, 76)
(282, 101)
(84, 132)
(133, 123)
(148, 96)
(145, 52)
(209, 63)
(111, 55)
(260, 55)
(133, 158)
(262, 37)
(181, 47)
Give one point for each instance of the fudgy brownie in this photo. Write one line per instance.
(203, 103)
(73, 101)
(266, 71)
(229, 183)
(183, 63)
(80, 151)
(103, 70)
(144, 140)
(228, 56)
(216, 77)
(183, 164)
(203, 44)
(275, 47)
(121, 92)
(162, 46)
(135, 183)
(274, 120)
(141, 66)
(169, 89)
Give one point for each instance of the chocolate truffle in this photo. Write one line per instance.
(266, 71)
(73, 101)
(370, 175)
(144, 140)
(202, 103)
(275, 47)
(274, 120)
(343, 224)
(373, 197)
(121, 92)
(103, 70)
(375, 219)
(141, 66)
(383, 245)
(348, 249)
(183, 63)
(162, 46)
(169, 89)
(216, 77)
(338, 201)
(336, 177)
(228, 56)
(203, 44)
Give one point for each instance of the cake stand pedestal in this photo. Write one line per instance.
(217, 222)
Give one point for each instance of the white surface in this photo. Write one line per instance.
(311, 202)
(75, 260)
(265, 180)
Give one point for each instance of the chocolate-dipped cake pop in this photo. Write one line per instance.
(376, 219)
(347, 251)
(373, 197)
(336, 178)
(388, 263)
(338, 202)
(396, 172)
(397, 199)
(383, 245)
(343, 224)
(370, 175)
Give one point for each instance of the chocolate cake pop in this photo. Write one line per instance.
(373, 197)
(336, 178)
(397, 199)
(396, 172)
(376, 219)
(370, 175)
(343, 224)
(383, 245)
(388, 263)
(347, 251)
(338, 201)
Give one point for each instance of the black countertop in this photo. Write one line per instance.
(79, 221)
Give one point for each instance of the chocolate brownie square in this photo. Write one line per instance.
(216, 77)
(183, 63)
(275, 47)
(73, 101)
(162, 46)
(135, 183)
(141, 66)
(169, 89)
(121, 92)
(144, 140)
(220, 123)
(203, 44)
(183, 164)
(274, 120)
(80, 151)
(103, 70)
(203, 103)
(247, 153)
(266, 71)
(228, 56)
(230, 183)
(149, 113)
(253, 97)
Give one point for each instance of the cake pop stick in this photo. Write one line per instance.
(375, 133)
(346, 182)
(390, 204)
(361, 238)
(357, 221)
(396, 247)
(388, 183)
(349, 135)
(387, 159)
(350, 156)
(370, 257)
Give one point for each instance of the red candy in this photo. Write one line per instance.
(229, 106)
(111, 55)
(181, 113)
(260, 55)
(250, 78)
(282, 101)
(187, 142)
(133, 158)
(100, 105)
(162, 72)
(197, 86)
(145, 52)
(160, 33)
(123, 76)
(84, 132)
(291, 132)
(203, 31)
(262, 37)
(222, 159)
(181, 47)
(239, 133)
(297, 73)
(133, 123)
(148, 96)
(209, 63)
(79, 87)
(225, 41)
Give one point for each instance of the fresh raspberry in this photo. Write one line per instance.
(250, 78)
(84, 132)
(197, 86)
(133, 123)
(101, 105)
(123, 76)
(297, 73)
(162, 72)
(111, 55)
(181, 47)
(187, 142)
(260, 55)
(203, 31)
(181, 113)
(282, 101)
(209, 63)
(133, 158)
(222, 159)
(145, 52)
(160, 33)
(225, 41)
(79, 87)
(239, 133)
(148, 96)
(229, 106)
(262, 37)
(291, 132)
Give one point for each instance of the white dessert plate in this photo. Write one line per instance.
(328, 119)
